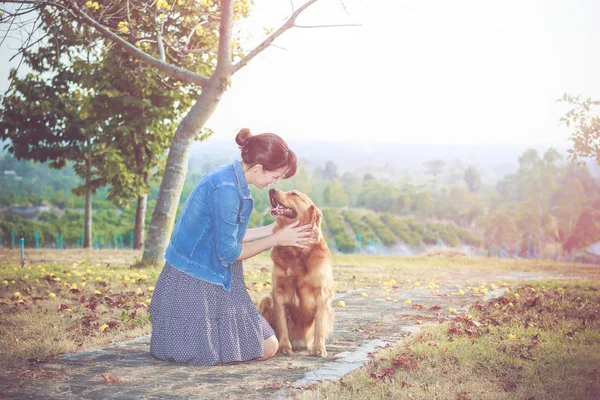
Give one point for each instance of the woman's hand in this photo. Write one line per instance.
(294, 235)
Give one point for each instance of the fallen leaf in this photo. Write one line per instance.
(110, 379)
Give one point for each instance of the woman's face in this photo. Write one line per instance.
(263, 178)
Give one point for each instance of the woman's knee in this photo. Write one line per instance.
(271, 345)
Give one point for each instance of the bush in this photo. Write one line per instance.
(359, 227)
(386, 236)
(401, 229)
(344, 242)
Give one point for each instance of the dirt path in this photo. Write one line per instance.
(363, 326)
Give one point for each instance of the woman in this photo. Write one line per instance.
(201, 311)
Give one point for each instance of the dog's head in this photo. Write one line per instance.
(287, 207)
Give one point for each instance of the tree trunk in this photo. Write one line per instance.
(163, 217)
(87, 230)
(140, 223)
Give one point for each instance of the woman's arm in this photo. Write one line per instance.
(291, 235)
(260, 232)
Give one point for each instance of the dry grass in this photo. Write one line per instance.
(50, 316)
(536, 343)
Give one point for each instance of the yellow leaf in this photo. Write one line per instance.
(52, 295)
(363, 294)
(407, 302)
(341, 303)
(103, 328)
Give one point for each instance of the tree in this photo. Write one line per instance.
(177, 32)
(500, 228)
(586, 232)
(142, 122)
(571, 200)
(434, 168)
(335, 195)
(472, 178)
(44, 127)
(330, 172)
(586, 127)
(126, 112)
(455, 172)
(352, 184)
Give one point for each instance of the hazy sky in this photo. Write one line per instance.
(430, 71)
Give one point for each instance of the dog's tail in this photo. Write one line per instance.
(265, 307)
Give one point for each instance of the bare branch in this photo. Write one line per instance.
(189, 38)
(21, 51)
(12, 21)
(287, 25)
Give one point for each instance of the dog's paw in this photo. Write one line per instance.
(285, 350)
(320, 352)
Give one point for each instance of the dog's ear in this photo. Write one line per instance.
(317, 215)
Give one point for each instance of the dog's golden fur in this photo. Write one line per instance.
(299, 308)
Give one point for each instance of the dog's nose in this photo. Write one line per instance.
(272, 191)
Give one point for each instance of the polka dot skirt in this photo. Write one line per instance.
(200, 323)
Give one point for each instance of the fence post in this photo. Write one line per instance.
(22, 251)
(12, 237)
(131, 239)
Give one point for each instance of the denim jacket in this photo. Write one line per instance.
(207, 238)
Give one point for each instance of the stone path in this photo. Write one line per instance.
(127, 371)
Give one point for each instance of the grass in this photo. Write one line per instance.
(64, 301)
(67, 300)
(541, 341)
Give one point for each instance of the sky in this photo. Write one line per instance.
(479, 72)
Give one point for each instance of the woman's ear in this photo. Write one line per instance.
(257, 168)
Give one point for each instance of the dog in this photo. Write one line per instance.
(299, 307)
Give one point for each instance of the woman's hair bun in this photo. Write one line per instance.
(243, 137)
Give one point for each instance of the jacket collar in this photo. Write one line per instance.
(241, 179)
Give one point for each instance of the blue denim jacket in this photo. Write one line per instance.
(207, 238)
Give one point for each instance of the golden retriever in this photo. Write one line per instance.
(299, 308)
